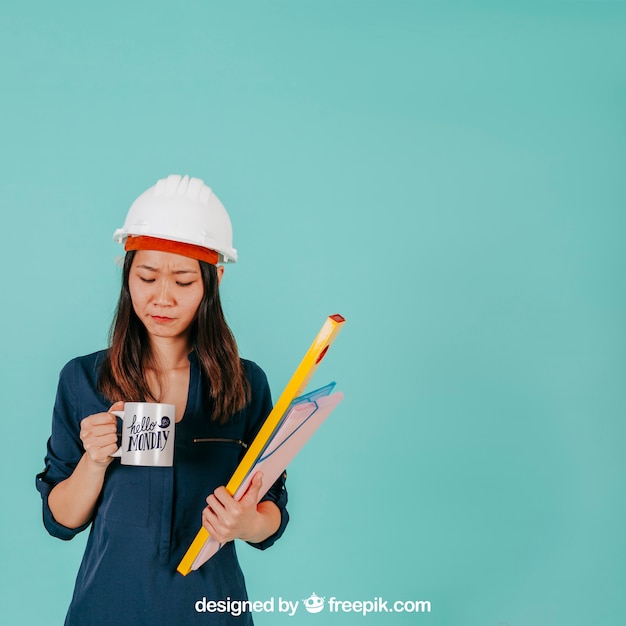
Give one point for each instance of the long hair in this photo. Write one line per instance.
(122, 374)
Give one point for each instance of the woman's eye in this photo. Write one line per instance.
(146, 280)
(183, 284)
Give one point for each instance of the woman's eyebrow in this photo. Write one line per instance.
(184, 272)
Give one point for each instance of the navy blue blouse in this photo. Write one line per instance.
(146, 517)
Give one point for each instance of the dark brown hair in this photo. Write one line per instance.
(122, 374)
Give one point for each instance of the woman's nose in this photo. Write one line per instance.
(164, 295)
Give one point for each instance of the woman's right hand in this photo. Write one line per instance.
(73, 500)
(98, 433)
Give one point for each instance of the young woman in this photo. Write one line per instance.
(170, 344)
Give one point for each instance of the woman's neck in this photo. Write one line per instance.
(171, 352)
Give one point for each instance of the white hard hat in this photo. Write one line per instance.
(181, 209)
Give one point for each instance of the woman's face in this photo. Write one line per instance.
(166, 290)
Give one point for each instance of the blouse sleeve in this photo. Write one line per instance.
(277, 493)
(64, 450)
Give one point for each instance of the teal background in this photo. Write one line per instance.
(450, 178)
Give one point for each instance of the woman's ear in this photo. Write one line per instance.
(220, 273)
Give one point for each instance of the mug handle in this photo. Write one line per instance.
(119, 414)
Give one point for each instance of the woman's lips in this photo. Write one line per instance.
(161, 319)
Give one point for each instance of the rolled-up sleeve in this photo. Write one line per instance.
(64, 450)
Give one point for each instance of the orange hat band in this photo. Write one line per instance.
(143, 242)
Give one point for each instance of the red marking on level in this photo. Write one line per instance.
(322, 355)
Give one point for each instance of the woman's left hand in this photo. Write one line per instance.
(226, 518)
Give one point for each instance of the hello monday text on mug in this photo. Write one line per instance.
(147, 434)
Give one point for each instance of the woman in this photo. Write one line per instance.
(170, 344)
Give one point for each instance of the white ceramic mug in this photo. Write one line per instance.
(147, 434)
